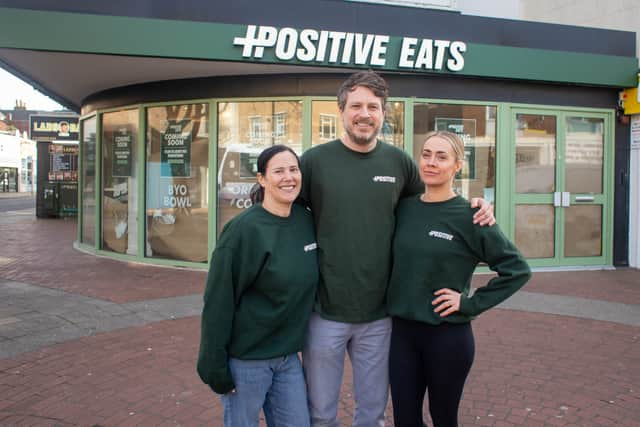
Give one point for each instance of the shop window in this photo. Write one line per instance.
(475, 124)
(177, 182)
(244, 130)
(119, 181)
(88, 189)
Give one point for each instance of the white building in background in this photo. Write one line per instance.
(18, 159)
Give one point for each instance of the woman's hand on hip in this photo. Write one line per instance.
(447, 301)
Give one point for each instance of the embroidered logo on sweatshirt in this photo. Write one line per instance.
(440, 235)
(311, 247)
(380, 178)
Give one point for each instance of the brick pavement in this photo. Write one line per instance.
(40, 251)
(531, 369)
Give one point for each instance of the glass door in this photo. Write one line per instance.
(561, 196)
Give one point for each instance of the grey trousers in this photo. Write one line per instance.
(323, 361)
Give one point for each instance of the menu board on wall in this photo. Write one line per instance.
(122, 143)
(175, 152)
(466, 130)
(63, 162)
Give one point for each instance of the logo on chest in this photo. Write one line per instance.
(440, 235)
(382, 178)
(310, 247)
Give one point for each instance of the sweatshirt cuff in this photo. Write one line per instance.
(222, 382)
(466, 305)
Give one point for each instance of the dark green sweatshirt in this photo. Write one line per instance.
(353, 197)
(260, 291)
(437, 246)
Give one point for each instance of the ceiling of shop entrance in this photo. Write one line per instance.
(69, 78)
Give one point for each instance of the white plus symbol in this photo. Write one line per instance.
(248, 42)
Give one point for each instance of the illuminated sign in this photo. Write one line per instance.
(343, 48)
(52, 127)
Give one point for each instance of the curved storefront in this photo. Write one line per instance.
(183, 168)
(166, 163)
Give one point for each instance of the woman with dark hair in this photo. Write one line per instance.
(259, 295)
(436, 248)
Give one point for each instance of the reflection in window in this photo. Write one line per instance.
(255, 129)
(328, 126)
(475, 124)
(535, 153)
(177, 177)
(89, 181)
(584, 154)
(279, 124)
(268, 129)
(393, 127)
(244, 130)
(119, 181)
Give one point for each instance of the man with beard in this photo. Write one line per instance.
(353, 185)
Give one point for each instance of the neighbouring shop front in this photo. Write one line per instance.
(56, 136)
(165, 164)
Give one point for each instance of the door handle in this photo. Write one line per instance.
(585, 198)
(557, 199)
(566, 199)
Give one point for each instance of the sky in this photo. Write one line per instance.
(12, 88)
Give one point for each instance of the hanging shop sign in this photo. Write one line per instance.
(53, 128)
(175, 153)
(337, 47)
(122, 143)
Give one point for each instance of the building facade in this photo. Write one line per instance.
(171, 125)
(18, 163)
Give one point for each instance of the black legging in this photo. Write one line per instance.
(434, 358)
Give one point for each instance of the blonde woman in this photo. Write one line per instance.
(436, 248)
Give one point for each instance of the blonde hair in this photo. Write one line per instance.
(454, 140)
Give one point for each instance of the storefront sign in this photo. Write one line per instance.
(175, 153)
(122, 143)
(488, 54)
(51, 127)
(466, 130)
(337, 47)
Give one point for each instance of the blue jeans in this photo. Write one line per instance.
(274, 385)
(323, 356)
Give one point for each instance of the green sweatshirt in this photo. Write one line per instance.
(353, 197)
(260, 291)
(437, 246)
